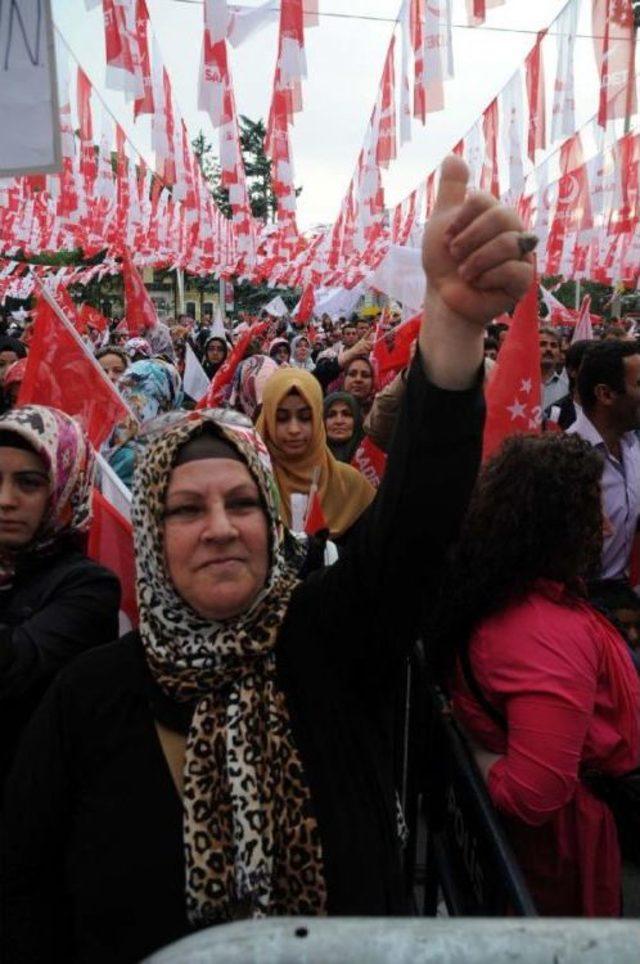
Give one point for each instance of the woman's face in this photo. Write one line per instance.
(216, 539)
(113, 366)
(281, 354)
(24, 496)
(215, 352)
(302, 350)
(339, 422)
(358, 380)
(294, 425)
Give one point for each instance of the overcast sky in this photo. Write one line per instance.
(345, 56)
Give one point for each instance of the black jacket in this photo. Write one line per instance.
(93, 817)
(57, 608)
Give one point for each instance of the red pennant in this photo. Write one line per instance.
(534, 69)
(315, 521)
(306, 305)
(140, 312)
(370, 461)
(111, 544)
(513, 392)
(61, 372)
(392, 351)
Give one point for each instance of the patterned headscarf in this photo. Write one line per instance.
(249, 380)
(150, 388)
(251, 842)
(68, 459)
(137, 346)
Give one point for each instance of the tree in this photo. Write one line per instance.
(257, 166)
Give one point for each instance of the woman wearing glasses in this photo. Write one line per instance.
(232, 758)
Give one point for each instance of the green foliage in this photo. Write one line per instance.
(248, 297)
(601, 295)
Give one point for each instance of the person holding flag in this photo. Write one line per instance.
(234, 754)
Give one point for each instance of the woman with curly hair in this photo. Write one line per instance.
(544, 684)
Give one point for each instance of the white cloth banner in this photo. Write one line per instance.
(276, 307)
(29, 121)
(400, 275)
(337, 302)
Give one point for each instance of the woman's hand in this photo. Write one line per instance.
(470, 250)
(474, 270)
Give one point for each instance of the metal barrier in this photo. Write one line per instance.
(456, 843)
(376, 940)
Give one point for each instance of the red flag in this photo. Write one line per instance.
(615, 42)
(140, 313)
(370, 461)
(215, 396)
(513, 393)
(386, 143)
(392, 351)
(489, 178)
(62, 372)
(534, 69)
(315, 521)
(305, 307)
(144, 104)
(111, 544)
(90, 316)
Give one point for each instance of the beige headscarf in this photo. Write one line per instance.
(344, 492)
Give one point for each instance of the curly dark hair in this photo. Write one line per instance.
(535, 513)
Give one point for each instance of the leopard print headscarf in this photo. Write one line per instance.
(252, 846)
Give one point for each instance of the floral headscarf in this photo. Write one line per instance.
(251, 841)
(249, 380)
(137, 346)
(69, 461)
(150, 388)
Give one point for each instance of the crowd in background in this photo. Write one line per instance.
(535, 637)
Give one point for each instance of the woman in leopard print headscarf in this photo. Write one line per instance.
(246, 800)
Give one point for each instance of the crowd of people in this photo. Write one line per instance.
(231, 757)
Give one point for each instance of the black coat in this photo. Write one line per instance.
(57, 608)
(93, 817)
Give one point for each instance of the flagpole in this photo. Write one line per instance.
(577, 304)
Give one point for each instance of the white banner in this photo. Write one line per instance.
(29, 121)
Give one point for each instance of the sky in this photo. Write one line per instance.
(345, 56)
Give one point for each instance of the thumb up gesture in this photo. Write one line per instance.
(472, 251)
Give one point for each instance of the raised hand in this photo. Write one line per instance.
(470, 251)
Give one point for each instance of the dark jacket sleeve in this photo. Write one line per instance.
(371, 603)
(76, 608)
(38, 808)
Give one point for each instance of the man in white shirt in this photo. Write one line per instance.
(609, 392)
(555, 385)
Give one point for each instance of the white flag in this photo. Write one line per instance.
(196, 384)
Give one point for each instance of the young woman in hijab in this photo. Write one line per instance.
(215, 352)
(150, 388)
(280, 351)
(54, 602)
(301, 353)
(343, 425)
(233, 758)
(113, 361)
(291, 424)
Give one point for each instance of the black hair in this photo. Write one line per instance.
(603, 364)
